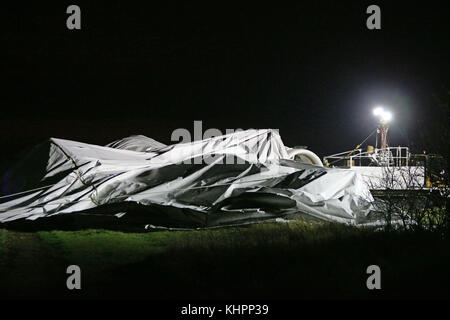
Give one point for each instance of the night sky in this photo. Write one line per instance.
(312, 70)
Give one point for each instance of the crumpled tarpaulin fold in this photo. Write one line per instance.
(237, 178)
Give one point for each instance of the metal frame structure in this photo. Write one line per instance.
(386, 157)
(373, 163)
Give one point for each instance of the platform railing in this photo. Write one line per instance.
(387, 157)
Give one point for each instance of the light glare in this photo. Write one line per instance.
(377, 111)
(386, 116)
(382, 114)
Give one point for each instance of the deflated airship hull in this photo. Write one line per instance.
(242, 177)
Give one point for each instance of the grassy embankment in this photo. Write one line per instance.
(295, 260)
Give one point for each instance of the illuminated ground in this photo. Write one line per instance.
(295, 260)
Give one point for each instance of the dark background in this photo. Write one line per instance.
(312, 70)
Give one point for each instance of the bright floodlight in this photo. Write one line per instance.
(386, 116)
(377, 111)
(382, 114)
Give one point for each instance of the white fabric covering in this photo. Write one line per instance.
(232, 179)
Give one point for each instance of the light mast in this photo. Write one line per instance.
(382, 131)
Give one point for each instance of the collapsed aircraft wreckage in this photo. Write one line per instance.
(238, 178)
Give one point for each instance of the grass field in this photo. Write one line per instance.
(269, 260)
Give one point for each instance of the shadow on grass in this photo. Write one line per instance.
(295, 260)
(283, 262)
(104, 217)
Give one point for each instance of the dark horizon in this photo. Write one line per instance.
(313, 71)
